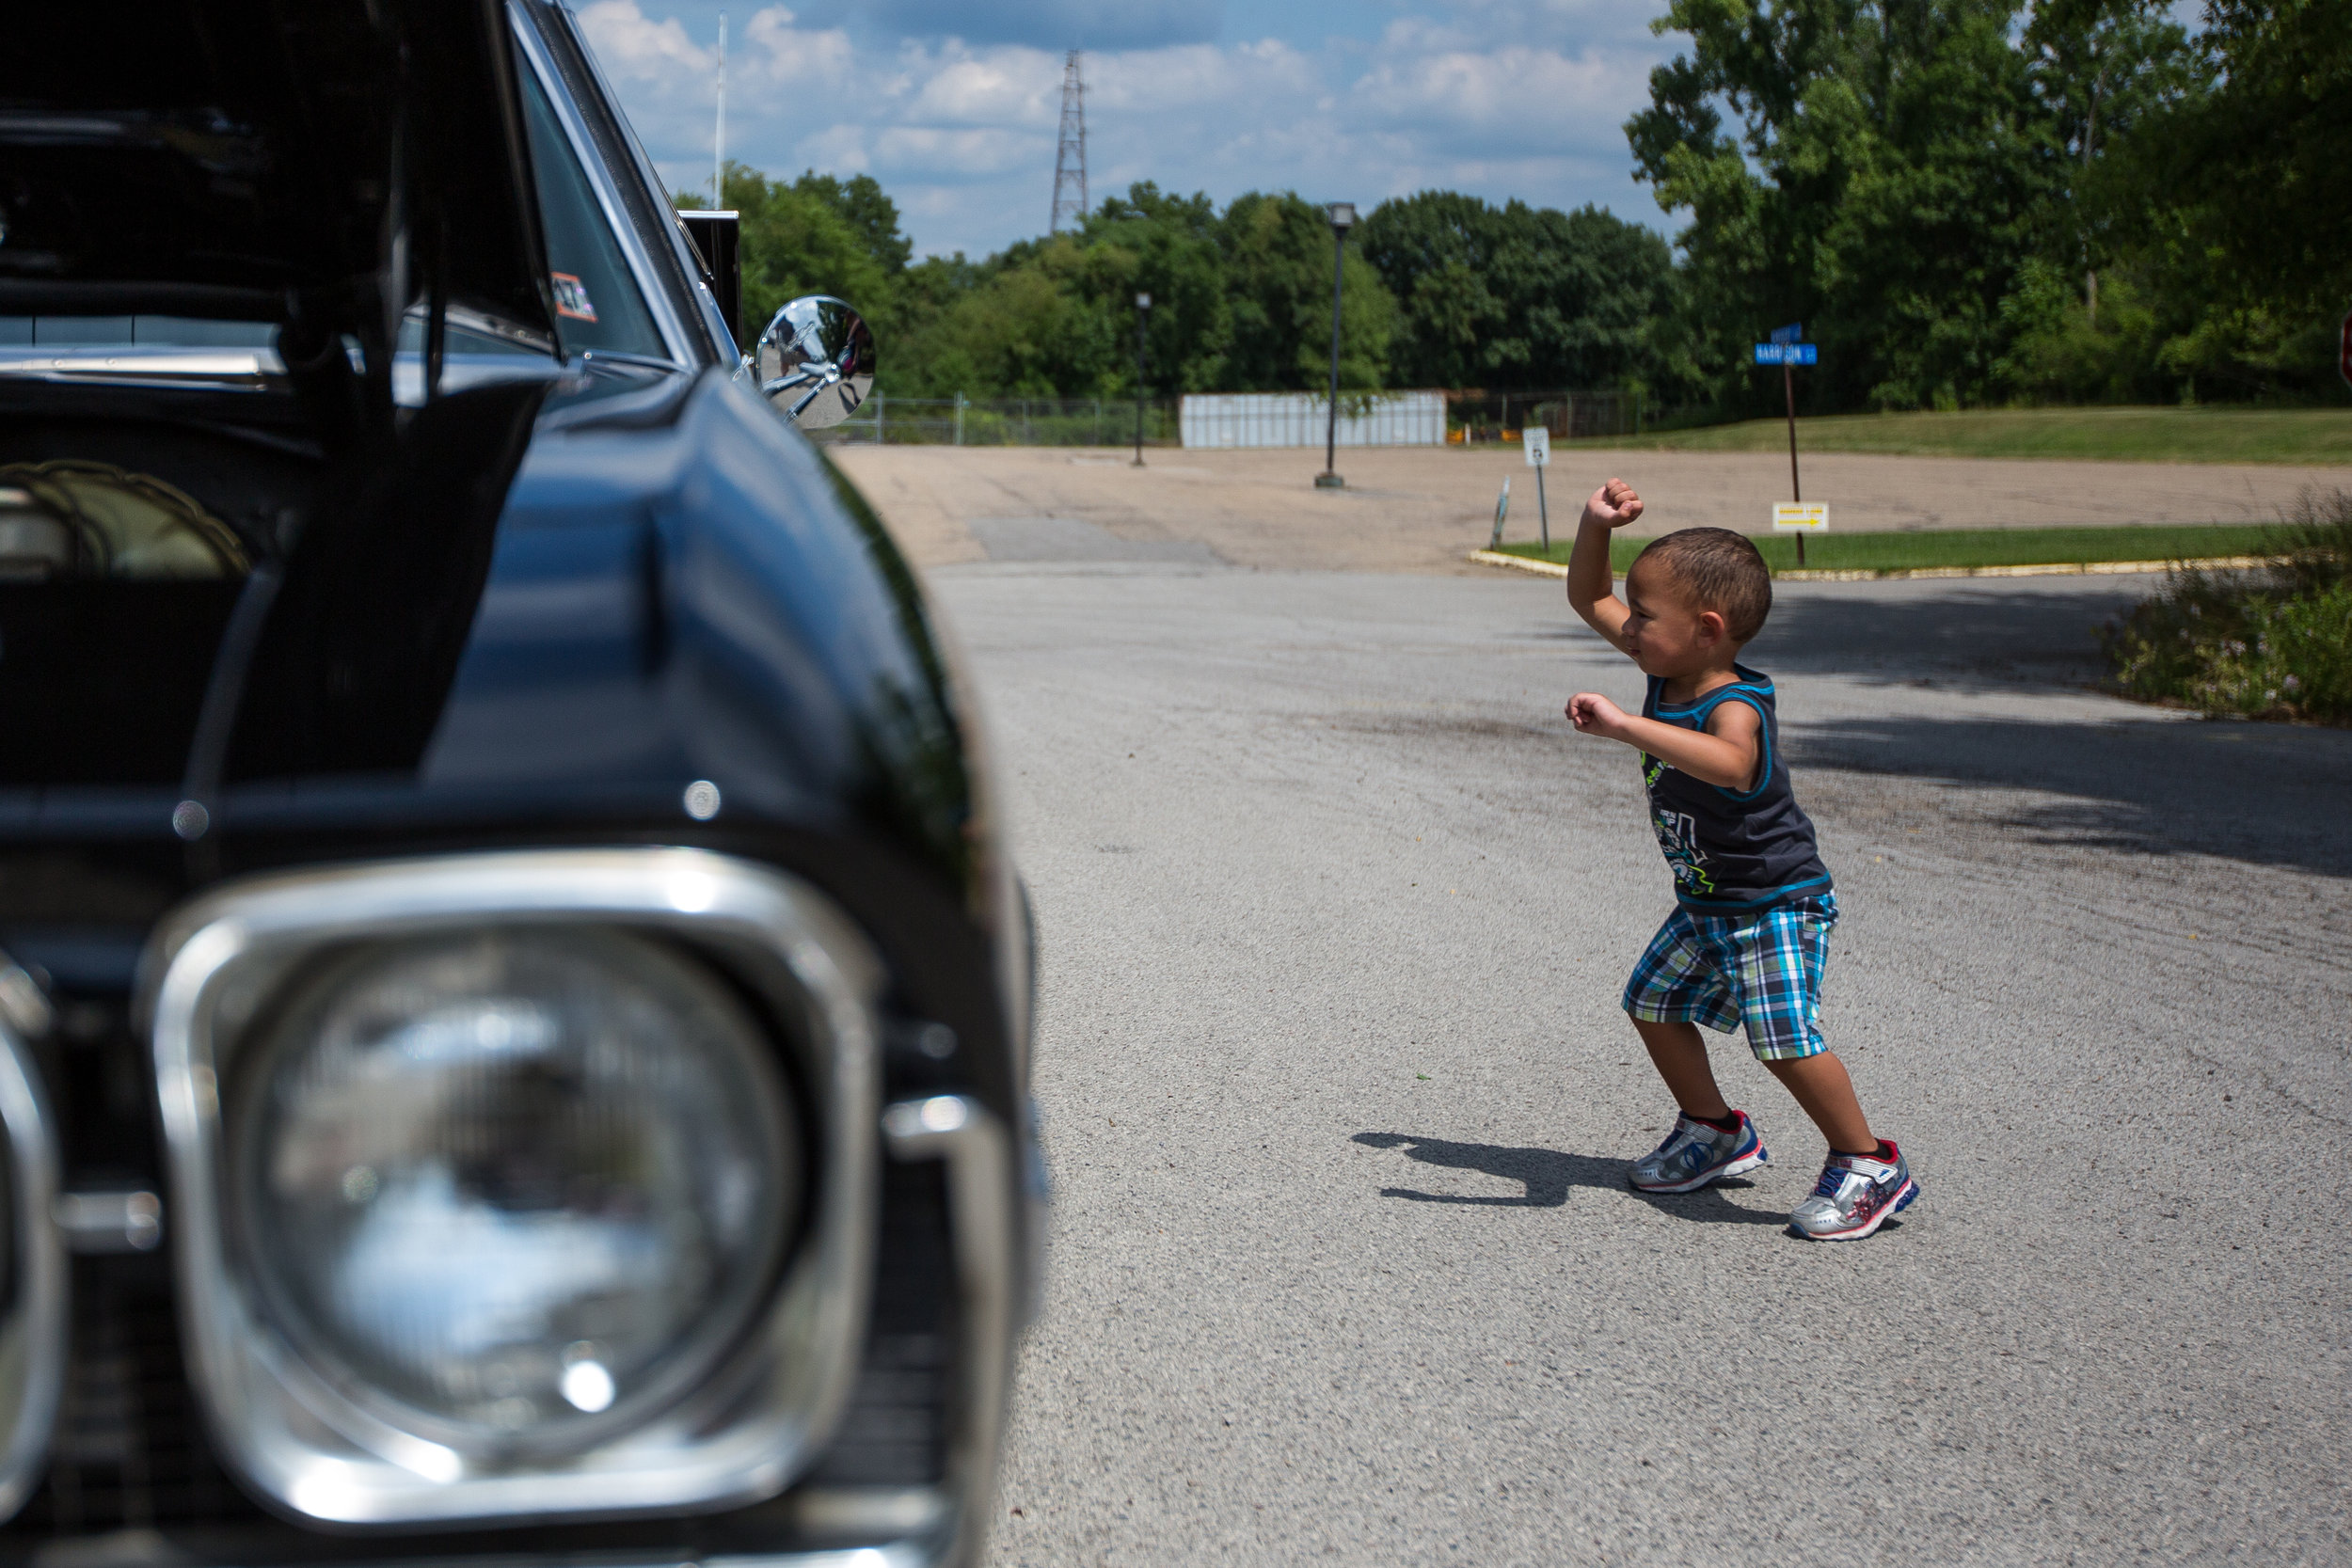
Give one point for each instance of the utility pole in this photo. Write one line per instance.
(1143, 368)
(1070, 155)
(719, 134)
(1796, 491)
(1342, 216)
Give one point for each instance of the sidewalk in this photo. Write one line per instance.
(1921, 574)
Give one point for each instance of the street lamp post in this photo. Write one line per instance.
(1143, 315)
(1343, 215)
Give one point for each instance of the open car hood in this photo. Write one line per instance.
(317, 163)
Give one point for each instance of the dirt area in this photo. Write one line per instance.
(1419, 508)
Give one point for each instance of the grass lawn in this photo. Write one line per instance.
(1985, 546)
(2136, 434)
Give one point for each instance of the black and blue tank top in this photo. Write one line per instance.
(1731, 851)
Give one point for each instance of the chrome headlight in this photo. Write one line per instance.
(513, 1189)
(510, 1187)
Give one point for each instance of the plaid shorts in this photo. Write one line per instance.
(1762, 970)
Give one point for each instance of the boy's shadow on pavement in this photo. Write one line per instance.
(1547, 1175)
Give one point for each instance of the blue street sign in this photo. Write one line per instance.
(1788, 334)
(1788, 354)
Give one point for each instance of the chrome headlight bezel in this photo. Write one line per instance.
(33, 1311)
(749, 1428)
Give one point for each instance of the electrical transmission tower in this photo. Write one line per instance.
(1070, 158)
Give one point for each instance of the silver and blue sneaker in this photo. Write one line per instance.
(1855, 1196)
(1694, 1154)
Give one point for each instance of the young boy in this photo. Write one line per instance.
(1750, 932)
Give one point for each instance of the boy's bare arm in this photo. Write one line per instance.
(1592, 590)
(1726, 755)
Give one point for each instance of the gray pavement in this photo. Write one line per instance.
(1334, 913)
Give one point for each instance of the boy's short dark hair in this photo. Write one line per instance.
(1723, 571)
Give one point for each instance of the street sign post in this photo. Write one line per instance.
(1784, 350)
(1538, 440)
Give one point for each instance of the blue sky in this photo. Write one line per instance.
(953, 105)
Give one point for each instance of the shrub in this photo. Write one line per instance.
(2271, 643)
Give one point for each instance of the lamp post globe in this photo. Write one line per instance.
(1342, 219)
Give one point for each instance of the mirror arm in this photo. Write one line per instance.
(800, 376)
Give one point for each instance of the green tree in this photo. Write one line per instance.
(817, 235)
(1278, 252)
(1020, 329)
(2265, 159)
(860, 203)
(2098, 69)
(1240, 301)
(1517, 297)
(1881, 186)
(2245, 202)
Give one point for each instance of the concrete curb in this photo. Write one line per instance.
(2050, 569)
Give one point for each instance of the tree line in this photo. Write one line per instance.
(1440, 290)
(1966, 202)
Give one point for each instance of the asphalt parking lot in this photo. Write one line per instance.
(1334, 913)
(1419, 509)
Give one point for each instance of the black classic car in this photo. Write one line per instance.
(514, 1013)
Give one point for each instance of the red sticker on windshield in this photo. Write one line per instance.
(571, 299)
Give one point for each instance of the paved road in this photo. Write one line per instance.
(1335, 912)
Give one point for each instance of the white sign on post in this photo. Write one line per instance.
(1792, 518)
(1538, 442)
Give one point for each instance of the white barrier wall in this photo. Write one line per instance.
(1299, 419)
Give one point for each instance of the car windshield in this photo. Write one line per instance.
(597, 304)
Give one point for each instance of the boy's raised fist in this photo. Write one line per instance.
(1614, 505)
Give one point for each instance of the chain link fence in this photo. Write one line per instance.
(886, 421)
(1472, 416)
(1296, 419)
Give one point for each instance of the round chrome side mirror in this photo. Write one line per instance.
(816, 362)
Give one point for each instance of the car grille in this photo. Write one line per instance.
(895, 1432)
(130, 1451)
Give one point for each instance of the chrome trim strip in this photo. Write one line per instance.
(109, 1222)
(759, 1422)
(870, 1511)
(191, 370)
(897, 1553)
(657, 298)
(982, 1189)
(33, 1346)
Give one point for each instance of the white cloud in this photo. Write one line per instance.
(1003, 87)
(836, 150)
(1514, 96)
(923, 149)
(776, 53)
(1058, 23)
(1498, 98)
(632, 47)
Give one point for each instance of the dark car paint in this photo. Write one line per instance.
(525, 615)
(681, 593)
